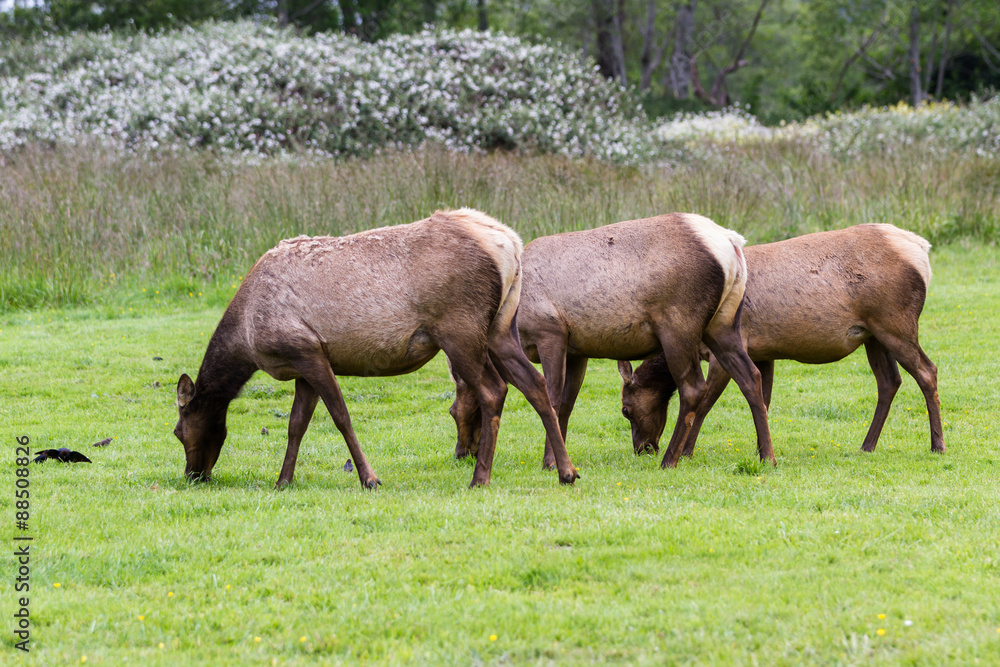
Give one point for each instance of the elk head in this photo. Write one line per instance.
(645, 406)
(201, 428)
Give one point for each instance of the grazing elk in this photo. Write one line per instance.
(816, 299)
(382, 302)
(628, 291)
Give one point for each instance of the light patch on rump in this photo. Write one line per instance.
(725, 245)
(911, 247)
(502, 244)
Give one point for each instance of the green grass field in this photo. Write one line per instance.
(833, 557)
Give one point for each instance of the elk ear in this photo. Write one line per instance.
(185, 390)
(625, 370)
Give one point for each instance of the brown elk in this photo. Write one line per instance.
(382, 302)
(816, 299)
(627, 291)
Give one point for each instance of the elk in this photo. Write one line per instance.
(628, 291)
(377, 303)
(815, 299)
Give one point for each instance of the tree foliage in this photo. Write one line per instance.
(784, 59)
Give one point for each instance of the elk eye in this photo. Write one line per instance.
(625, 413)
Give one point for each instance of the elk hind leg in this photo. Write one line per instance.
(912, 358)
(681, 354)
(470, 363)
(576, 369)
(727, 345)
(887, 380)
(766, 369)
(552, 354)
(506, 352)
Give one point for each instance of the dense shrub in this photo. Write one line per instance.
(730, 124)
(974, 128)
(255, 90)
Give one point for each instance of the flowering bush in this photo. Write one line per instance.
(729, 124)
(256, 90)
(942, 126)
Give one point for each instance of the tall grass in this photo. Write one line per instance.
(77, 221)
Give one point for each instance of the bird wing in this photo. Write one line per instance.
(46, 454)
(77, 457)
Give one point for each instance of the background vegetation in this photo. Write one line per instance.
(785, 59)
(251, 90)
(85, 225)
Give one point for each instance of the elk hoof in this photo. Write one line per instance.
(868, 448)
(372, 483)
(281, 484)
(570, 478)
(479, 482)
(549, 465)
(939, 450)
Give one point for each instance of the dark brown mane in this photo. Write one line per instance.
(654, 373)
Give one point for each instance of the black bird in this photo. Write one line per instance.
(62, 454)
(348, 467)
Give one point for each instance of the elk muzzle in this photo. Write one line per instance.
(647, 447)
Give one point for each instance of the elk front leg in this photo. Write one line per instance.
(319, 374)
(717, 381)
(576, 369)
(303, 406)
(468, 416)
